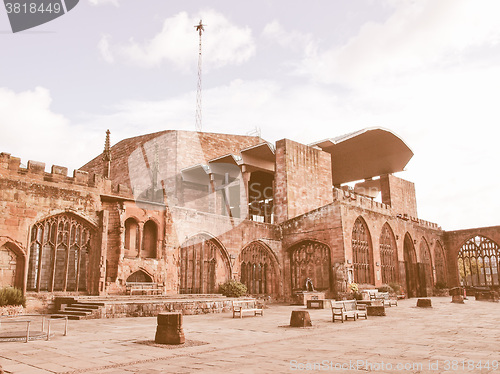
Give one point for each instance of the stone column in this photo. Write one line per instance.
(169, 329)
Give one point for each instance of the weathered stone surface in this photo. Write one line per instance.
(424, 303)
(300, 318)
(458, 299)
(375, 310)
(169, 329)
(487, 296)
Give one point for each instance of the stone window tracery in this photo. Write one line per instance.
(202, 266)
(478, 262)
(258, 270)
(59, 247)
(362, 253)
(310, 260)
(388, 255)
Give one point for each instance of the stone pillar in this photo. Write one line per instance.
(300, 318)
(169, 329)
(424, 303)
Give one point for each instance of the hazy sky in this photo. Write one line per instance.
(305, 70)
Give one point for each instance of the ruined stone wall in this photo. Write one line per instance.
(303, 179)
(399, 194)
(375, 215)
(28, 195)
(454, 240)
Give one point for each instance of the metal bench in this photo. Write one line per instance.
(247, 306)
(30, 319)
(348, 309)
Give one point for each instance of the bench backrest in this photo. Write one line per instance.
(245, 304)
(349, 305)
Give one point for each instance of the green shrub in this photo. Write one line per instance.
(385, 288)
(233, 288)
(12, 296)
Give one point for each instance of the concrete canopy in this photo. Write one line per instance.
(365, 154)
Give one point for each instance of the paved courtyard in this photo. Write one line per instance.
(449, 338)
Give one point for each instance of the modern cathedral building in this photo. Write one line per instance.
(190, 210)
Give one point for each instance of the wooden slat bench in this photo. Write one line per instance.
(247, 306)
(387, 299)
(144, 288)
(348, 309)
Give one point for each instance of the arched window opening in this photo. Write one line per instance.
(203, 266)
(362, 253)
(388, 256)
(440, 265)
(132, 238)
(58, 259)
(478, 262)
(139, 276)
(149, 241)
(263, 277)
(11, 266)
(426, 260)
(310, 260)
(410, 262)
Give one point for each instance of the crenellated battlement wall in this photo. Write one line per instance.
(35, 171)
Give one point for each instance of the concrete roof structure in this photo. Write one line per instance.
(365, 154)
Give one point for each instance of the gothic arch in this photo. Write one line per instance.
(12, 261)
(388, 255)
(259, 269)
(204, 265)
(59, 253)
(362, 252)
(310, 259)
(132, 237)
(410, 266)
(150, 232)
(140, 275)
(440, 263)
(426, 260)
(479, 262)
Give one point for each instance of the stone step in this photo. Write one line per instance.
(75, 313)
(76, 309)
(87, 305)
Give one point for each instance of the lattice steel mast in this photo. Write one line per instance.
(200, 29)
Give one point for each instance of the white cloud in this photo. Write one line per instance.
(177, 43)
(33, 131)
(417, 35)
(293, 40)
(104, 49)
(105, 2)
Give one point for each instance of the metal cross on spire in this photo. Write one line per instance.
(200, 28)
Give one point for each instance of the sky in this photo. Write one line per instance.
(428, 70)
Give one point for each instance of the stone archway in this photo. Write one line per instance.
(12, 262)
(259, 269)
(204, 265)
(410, 266)
(59, 254)
(479, 262)
(310, 259)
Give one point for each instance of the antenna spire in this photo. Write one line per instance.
(200, 28)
